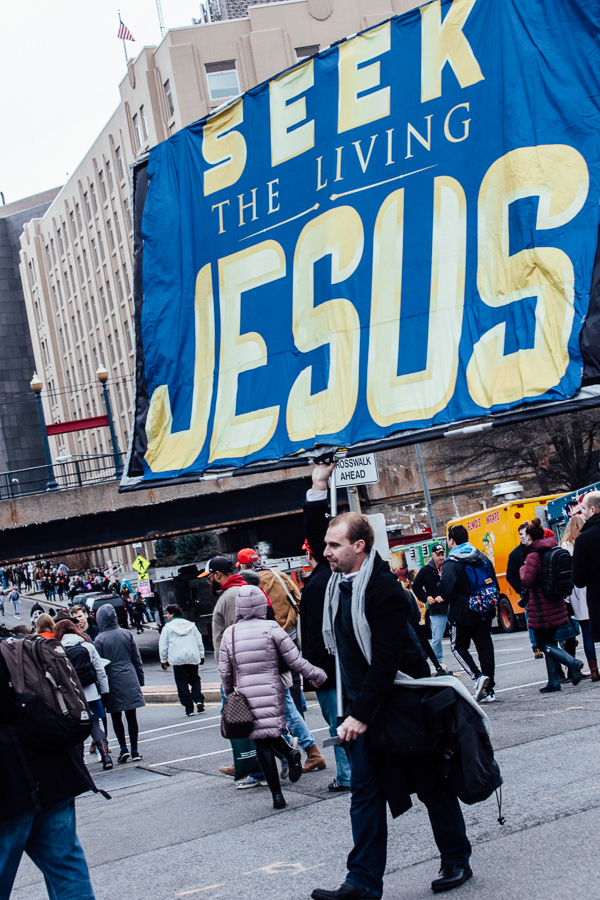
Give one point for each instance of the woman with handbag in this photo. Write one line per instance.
(545, 617)
(578, 600)
(249, 660)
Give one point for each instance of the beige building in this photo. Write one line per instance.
(76, 260)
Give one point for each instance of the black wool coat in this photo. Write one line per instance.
(586, 569)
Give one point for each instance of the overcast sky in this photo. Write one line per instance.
(60, 68)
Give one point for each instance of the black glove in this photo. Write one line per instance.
(202, 661)
(104, 699)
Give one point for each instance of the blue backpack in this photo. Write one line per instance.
(483, 587)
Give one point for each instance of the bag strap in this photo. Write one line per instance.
(293, 603)
(233, 659)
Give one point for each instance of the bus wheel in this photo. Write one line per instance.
(506, 616)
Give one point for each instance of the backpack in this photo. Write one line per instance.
(557, 580)
(81, 661)
(53, 711)
(483, 587)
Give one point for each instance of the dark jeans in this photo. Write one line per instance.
(480, 632)
(187, 677)
(589, 648)
(49, 838)
(367, 859)
(132, 727)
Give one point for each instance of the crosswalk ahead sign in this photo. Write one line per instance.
(141, 564)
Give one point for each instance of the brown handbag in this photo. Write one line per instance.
(237, 720)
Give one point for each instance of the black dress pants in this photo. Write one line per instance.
(186, 677)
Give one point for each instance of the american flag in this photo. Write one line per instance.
(124, 33)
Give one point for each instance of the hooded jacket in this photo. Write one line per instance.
(259, 643)
(454, 584)
(541, 614)
(180, 643)
(586, 571)
(91, 691)
(224, 611)
(125, 672)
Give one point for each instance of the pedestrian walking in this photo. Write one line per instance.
(546, 615)
(258, 645)
(578, 599)
(586, 552)
(1, 602)
(138, 613)
(90, 670)
(516, 559)
(125, 679)
(365, 623)
(14, 598)
(180, 645)
(470, 587)
(425, 588)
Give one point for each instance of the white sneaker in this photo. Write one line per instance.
(481, 687)
(250, 782)
(489, 697)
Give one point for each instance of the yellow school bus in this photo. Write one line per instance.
(494, 532)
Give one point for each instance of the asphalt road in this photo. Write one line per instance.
(177, 828)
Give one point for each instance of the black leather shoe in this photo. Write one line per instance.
(347, 891)
(279, 801)
(451, 877)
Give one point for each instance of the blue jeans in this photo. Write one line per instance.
(530, 632)
(15, 604)
(438, 627)
(296, 723)
(328, 704)
(49, 838)
(367, 859)
(589, 648)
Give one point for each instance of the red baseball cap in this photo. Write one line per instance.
(247, 556)
(305, 546)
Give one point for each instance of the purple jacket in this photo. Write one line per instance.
(258, 646)
(553, 614)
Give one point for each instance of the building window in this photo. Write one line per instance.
(86, 264)
(79, 322)
(119, 235)
(59, 292)
(74, 326)
(72, 280)
(66, 234)
(88, 316)
(222, 79)
(144, 123)
(169, 98)
(62, 340)
(68, 286)
(94, 201)
(111, 236)
(128, 336)
(81, 275)
(31, 276)
(53, 250)
(60, 243)
(103, 301)
(119, 285)
(44, 353)
(38, 317)
(88, 208)
(73, 225)
(138, 133)
(101, 245)
(120, 163)
(55, 298)
(110, 296)
(102, 185)
(309, 50)
(109, 173)
(127, 285)
(95, 254)
(128, 214)
(78, 217)
(48, 257)
(120, 396)
(111, 348)
(119, 351)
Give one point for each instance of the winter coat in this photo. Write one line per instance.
(549, 615)
(125, 672)
(578, 598)
(454, 584)
(586, 569)
(57, 773)
(259, 644)
(516, 558)
(311, 622)
(279, 588)
(224, 611)
(426, 585)
(91, 691)
(180, 643)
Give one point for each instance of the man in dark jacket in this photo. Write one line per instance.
(586, 571)
(365, 621)
(313, 648)
(516, 559)
(425, 588)
(47, 834)
(469, 624)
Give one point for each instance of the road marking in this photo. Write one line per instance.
(275, 868)
(161, 737)
(509, 650)
(202, 755)
(517, 686)
(517, 661)
(596, 787)
(179, 724)
(209, 887)
(555, 712)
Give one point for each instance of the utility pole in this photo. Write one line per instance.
(160, 18)
(428, 502)
(353, 499)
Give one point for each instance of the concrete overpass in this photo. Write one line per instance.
(89, 518)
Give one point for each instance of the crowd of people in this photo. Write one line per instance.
(366, 634)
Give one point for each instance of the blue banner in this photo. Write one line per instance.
(395, 234)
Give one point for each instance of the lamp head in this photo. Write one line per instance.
(36, 383)
(102, 374)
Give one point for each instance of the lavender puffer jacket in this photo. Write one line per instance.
(258, 645)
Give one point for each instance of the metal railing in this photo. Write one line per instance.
(76, 471)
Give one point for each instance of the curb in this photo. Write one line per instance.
(212, 694)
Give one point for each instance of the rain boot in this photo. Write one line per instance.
(266, 761)
(561, 656)
(553, 670)
(593, 664)
(293, 756)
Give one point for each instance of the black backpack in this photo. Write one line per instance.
(557, 579)
(81, 661)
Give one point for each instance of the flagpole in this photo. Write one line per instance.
(124, 44)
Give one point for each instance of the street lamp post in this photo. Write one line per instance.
(36, 386)
(102, 376)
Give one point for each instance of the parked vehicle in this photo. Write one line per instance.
(94, 601)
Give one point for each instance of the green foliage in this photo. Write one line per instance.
(165, 551)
